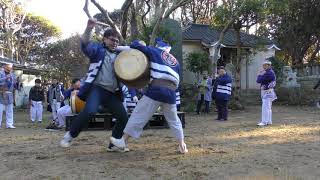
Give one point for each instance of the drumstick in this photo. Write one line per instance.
(102, 24)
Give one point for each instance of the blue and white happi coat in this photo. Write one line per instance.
(163, 65)
(128, 94)
(268, 83)
(223, 87)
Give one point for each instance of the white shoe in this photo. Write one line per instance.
(120, 143)
(113, 148)
(183, 148)
(66, 141)
(11, 127)
(261, 124)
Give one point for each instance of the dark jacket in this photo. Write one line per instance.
(267, 80)
(36, 93)
(223, 87)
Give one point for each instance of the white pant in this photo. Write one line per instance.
(36, 111)
(55, 106)
(62, 113)
(266, 114)
(9, 114)
(143, 113)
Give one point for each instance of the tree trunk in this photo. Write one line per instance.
(134, 24)
(124, 17)
(237, 88)
(215, 57)
(10, 46)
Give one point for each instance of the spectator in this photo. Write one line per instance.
(7, 96)
(55, 98)
(202, 86)
(36, 100)
(267, 79)
(223, 93)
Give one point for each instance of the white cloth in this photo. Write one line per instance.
(143, 113)
(36, 110)
(62, 113)
(9, 114)
(266, 114)
(267, 97)
(268, 94)
(55, 105)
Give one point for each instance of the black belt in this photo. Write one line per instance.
(164, 83)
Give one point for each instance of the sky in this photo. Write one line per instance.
(68, 15)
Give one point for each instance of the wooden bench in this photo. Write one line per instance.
(102, 121)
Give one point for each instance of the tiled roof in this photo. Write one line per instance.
(208, 35)
(16, 65)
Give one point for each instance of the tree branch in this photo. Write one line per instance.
(124, 17)
(145, 14)
(104, 12)
(175, 6)
(157, 24)
(86, 10)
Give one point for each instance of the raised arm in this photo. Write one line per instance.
(87, 47)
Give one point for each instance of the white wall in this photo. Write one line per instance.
(254, 65)
(189, 47)
(28, 83)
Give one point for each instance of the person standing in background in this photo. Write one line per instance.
(36, 100)
(208, 95)
(7, 96)
(223, 85)
(267, 79)
(55, 97)
(202, 86)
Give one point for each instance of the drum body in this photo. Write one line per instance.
(76, 103)
(132, 68)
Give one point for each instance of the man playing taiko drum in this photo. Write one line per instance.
(101, 86)
(164, 71)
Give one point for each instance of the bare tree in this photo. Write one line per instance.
(164, 13)
(161, 8)
(12, 15)
(124, 9)
(200, 11)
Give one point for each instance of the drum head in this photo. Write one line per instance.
(131, 65)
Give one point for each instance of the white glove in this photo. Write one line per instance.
(135, 99)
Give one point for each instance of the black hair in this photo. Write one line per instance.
(75, 80)
(110, 32)
(37, 81)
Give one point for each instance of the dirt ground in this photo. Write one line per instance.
(236, 149)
